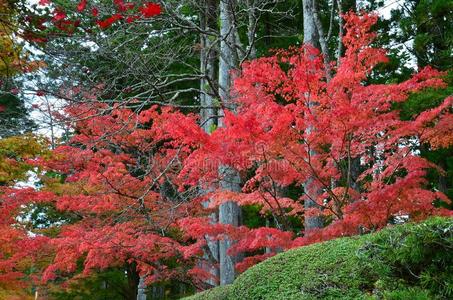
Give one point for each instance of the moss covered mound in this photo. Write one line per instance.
(411, 261)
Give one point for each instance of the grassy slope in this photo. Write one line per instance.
(412, 261)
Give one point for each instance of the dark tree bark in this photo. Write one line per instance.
(133, 280)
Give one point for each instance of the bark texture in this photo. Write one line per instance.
(310, 187)
(141, 293)
(229, 212)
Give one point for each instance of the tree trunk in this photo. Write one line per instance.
(208, 19)
(133, 280)
(344, 6)
(355, 173)
(310, 31)
(207, 66)
(141, 291)
(310, 187)
(229, 212)
(227, 58)
(322, 42)
(339, 51)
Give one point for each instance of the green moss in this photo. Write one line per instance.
(218, 293)
(412, 261)
(304, 273)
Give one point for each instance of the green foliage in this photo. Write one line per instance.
(13, 115)
(325, 268)
(411, 261)
(278, 29)
(443, 158)
(218, 293)
(252, 217)
(415, 255)
(428, 24)
(14, 61)
(409, 293)
(427, 99)
(111, 284)
(45, 216)
(212, 128)
(14, 151)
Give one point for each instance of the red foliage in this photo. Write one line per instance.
(40, 93)
(59, 15)
(94, 12)
(131, 19)
(284, 140)
(150, 9)
(122, 7)
(44, 2)
(82, 5)
(292, 124)
(109, 21)
(121, 217)
(64, 23)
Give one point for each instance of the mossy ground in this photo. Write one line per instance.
(411, 261)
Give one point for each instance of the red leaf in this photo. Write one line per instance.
(131, 19)
(150, 10)
(44, 2)
(123, 6)
(95, 12)
(109, 21)
(82, 5)
(59, 15)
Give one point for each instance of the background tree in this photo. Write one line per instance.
(13, 62)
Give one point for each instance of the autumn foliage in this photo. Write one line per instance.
(294, 125)
(129, 181)
(55, 20)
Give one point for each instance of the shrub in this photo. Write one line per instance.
(410, 261)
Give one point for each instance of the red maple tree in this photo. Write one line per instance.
(294, 124)
(117, 189)
(128, 179)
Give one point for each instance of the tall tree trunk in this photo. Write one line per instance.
(339, 51)
(227, 58)
(344, 6)
(133, 280)
(229, 212)
(141, 291)
(322, 42)
(310, 31)
(310, 187)
(208, 22)
(207, 66)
